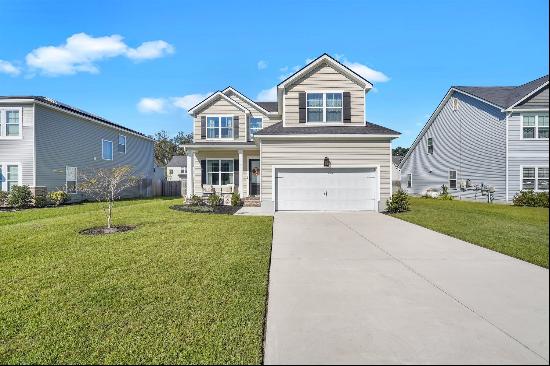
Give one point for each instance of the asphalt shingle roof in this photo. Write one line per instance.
(503, 96)
(369, 129)
(178, 161)
(269, 106)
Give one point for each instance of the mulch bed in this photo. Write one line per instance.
(103, 230)
(220, 210)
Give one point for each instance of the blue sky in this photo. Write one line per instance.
(142, 63)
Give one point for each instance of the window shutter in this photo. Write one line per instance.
(236, 127)
(302, 107)
(203, 172)
(203, 127)
(347, 107)
(236, 173)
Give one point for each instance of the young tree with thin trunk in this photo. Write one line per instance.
(106, 185)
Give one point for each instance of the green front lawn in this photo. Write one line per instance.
(181, 288)
(520, 232)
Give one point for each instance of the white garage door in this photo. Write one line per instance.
(326, 189)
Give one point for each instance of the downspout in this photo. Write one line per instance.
(506, 155)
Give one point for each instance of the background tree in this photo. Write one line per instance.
(181, 139)
(106, 185)
(400, 151)
(166, 147)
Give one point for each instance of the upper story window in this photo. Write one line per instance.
(534, 178)
(106, 150)
(122, 144)
(534, 126)
(430, 145)
(10, 122)
(254, 125)
(219, 127)
(324, 107)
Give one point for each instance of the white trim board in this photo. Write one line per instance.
(210, 98)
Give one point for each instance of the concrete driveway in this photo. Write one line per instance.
(361, 288)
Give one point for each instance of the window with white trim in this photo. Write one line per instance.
(409, 180)
(430, 145)
(219, 172)
(534, 178)
(9, 176)
(106, 150)
(70, 179)
(452, 179)
(324, 107)
(219, 127)
(11, 122)
(122, 144)
(534, 126)
(254, 125)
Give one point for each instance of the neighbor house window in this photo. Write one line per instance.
(324, 107)
(452, 179)
(219, 127)
(106, 150)
(170, 171)
(430, 145)
(219, 172)
(122, 144)
(409, 180)
(534, 178)
(10, 122)
(254, 125)
(70, 179)
(534, 126)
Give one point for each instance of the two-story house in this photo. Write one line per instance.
(494, 138)
(46, 144)
(312, 149)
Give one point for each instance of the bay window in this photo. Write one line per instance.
(324, 107)
(534, 126)
(219, 172)
(534, 178)
(219, 127)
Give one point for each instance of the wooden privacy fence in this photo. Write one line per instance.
(166, 188)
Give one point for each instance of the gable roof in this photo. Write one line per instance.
(326, 58)
(210, 98)
(260, 105)
(269, 106)
(49, 102)
(504, 96)
(178, 161)
(369, 128)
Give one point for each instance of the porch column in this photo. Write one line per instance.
(241, 164)
(190, 172)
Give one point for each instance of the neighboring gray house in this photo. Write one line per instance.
(491, 136)
(396, 172)
(176, 169)
(45, 144)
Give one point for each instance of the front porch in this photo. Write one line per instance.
(223, 168)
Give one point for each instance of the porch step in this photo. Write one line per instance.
(252, 201)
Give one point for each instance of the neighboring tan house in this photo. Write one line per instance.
(396, 172)
(478, 138)
(176, 169)
(310, 150)
(46, 144)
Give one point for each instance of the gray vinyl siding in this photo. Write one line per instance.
(483, 157)
(65, 140)
(21, 150)
(219, 107)
(312, 153)
(538, 100)
(324, 78)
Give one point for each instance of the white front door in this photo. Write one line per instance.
(326, 189)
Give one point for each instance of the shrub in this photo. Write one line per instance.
(195, 200)
(214, 200)
(58, 197)
(235, 199)
(3, 198)
(445, 196)
(398, 202)
(531, 199)
(20, 196)
(40, 201)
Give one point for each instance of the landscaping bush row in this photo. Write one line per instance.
(531, 199)
(213, 200)
(22, 197)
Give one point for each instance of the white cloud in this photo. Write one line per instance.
(81, 51)
(188, 101)
(262, 65)
(267, 95)
(366, 72)
(9, 68)
(152, 105)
